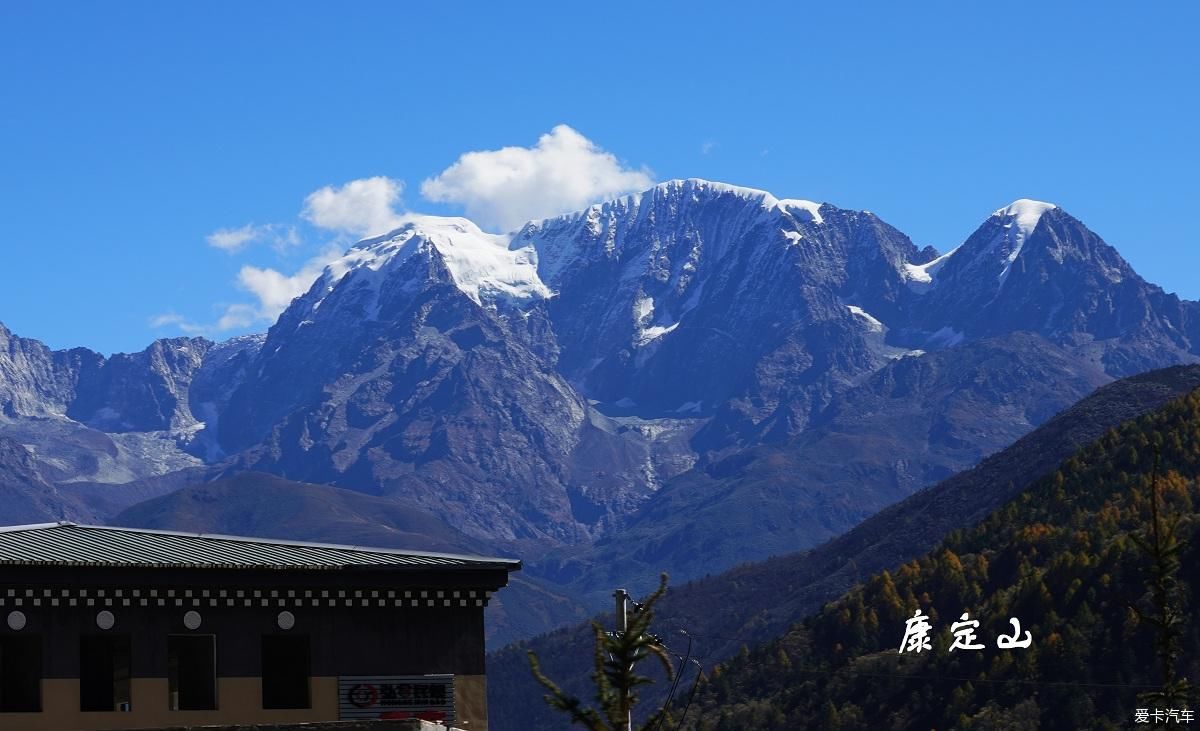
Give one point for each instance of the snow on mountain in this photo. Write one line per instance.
(873, 324)
(654, 332)
(692, 267)
(698, 188)
(481, 264)
(1025, 213)
(1013, 225)
(603, 230)
(1022, 218)
(921, 277)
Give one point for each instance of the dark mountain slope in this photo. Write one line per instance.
(756, 602)
(1062, 557)
(916, 524)
(257, 504)
(913, 423)
(25, 494)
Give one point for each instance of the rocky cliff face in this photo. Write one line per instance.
(25, 494)
(146, 391)
(36, 381)
(696, 296)
(81, 416)
(141, 392)
(914, 422)
(402, 377)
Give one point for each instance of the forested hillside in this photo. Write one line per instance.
(758, 602)
(1066, 557)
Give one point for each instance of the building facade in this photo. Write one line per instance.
(116, 628)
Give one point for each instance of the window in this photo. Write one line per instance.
(21, 673)
(104, 673)
(285, 671)
(192, 672)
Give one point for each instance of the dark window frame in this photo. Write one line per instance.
(178, 651)
(282, 687)
(21, 646)
(92, 647)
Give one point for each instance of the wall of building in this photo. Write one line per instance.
(352, 632)
(371, 640)
(258, 725)
(237, 698)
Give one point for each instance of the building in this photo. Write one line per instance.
(117, 628)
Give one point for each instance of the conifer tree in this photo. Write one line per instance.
(1161, 543)
(614, 673)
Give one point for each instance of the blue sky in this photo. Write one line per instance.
(135, 136)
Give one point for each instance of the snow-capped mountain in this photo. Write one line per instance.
(1033, 267)
(422, 365)
(693, 294)
(650, 360)
(363, 297)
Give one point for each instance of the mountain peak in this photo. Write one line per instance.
(482, 265)
(1022, 217)
(1025, 213)
(809, 210)
(995, 246)
(681, 191)
(699, 185)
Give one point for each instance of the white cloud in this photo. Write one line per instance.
(235, 239)
(362, 207)
(237, 317)
(275, 290)
(169, 318)
(232, 239)
(181, 323)
(504, 188)
(707, 147)
(272, 289)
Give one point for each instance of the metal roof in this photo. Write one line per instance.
(71, 544)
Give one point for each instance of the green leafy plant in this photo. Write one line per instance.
(615, 661)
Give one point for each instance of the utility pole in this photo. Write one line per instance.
(622, 598)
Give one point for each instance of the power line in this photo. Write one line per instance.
(692, 695)
(674, 683)
(995, 681)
